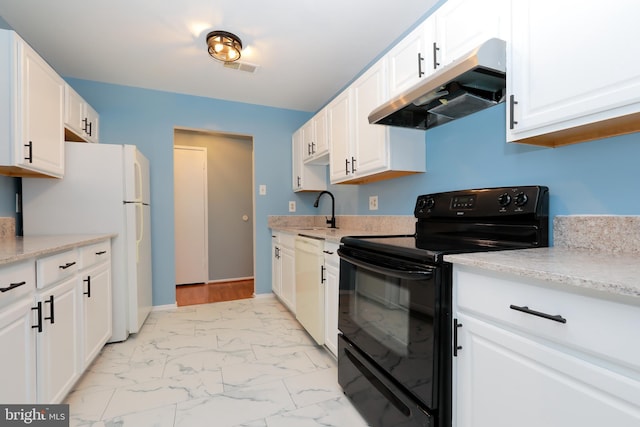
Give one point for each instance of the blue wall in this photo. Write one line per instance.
(147, 119)
(599, 177)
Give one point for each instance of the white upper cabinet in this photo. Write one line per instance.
(571, 76)
(31, 112)
(362, 152)
(80, 119)
(462, 25)
(305, 177)
(315, 146)
(412, 59)
(453, 30)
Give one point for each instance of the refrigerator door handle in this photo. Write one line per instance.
(138, 180)
(139, 228)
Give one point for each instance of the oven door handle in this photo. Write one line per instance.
(393, 272)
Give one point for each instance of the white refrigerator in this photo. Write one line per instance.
(105, 189)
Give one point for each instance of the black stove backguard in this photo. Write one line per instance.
(395, 320)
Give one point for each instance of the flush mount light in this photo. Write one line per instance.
(224, 46)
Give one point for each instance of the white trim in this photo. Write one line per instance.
(165, 307)
(264, 296)
(233, 279)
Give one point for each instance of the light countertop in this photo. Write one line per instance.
(613, 273)
(14, 249)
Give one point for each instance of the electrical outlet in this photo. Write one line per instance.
(292, 206)
(262, 190)
(373, 203)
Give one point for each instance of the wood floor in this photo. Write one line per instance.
(213, 292)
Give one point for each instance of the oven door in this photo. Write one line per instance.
(389, 309)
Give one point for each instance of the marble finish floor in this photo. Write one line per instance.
(242, 363)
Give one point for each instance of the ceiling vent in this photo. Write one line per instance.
(241, 66)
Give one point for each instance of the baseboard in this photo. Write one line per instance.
(164, 307)
(232, 279)
(264, 296)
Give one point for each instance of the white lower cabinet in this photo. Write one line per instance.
(50, 329)
(96, 299)
(578, 366)
(283, 273)
(331, 278)
(17, 352)
(58, 364)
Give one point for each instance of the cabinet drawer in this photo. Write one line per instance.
(593, 326)
(95, 254)
(56, 267)
(16, 281)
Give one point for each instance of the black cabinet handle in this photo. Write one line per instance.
(420, 59)
(298, 181)
(525, 309)
(85, 121)
(51, 311)
(435, 55)
(38, 308)
(353, 164)
(346, 166)
(101, 253)
(322, 278)
(456, 347)
(313, 147)
(512, 103)
(308, 149)
(88, 282)
(12, 286)
(90, 128)
(328, 252)
(67, 265)
(30, 156)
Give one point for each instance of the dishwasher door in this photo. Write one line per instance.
(309, 286)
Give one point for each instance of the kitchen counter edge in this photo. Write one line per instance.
(16, 249)
(609, 275)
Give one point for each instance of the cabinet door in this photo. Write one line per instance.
(74, 107)
(296, 153)
(42, 102)
(92, 124)
(370, 153)
(331, 286)
(412, 58)
(463, 25)
(96, 308)
(505, 379)
(58, 355)
(288, 287)
(566, 72)
(276, 268)
(17, 353)
(339, 113)
(321, 141)
(308, 146)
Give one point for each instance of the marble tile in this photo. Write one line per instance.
(236, 407)
(335, 412)
(244, 363)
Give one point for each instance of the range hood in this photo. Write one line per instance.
(469, 84)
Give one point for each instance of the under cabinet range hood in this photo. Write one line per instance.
(469, 84)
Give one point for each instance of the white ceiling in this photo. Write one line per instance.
(307, 50)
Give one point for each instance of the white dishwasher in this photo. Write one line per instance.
(309, 286)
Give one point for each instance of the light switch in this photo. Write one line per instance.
(262, 189)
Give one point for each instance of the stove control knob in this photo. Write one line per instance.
(421, 204)
(521, 199)
(430, 203)
(504, 200)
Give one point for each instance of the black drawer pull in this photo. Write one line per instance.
(525, 309)
(101, 253)
(12, 286)
(88, 282)
(38, 308)
(29, 158)
(67, 265)
(52, 310)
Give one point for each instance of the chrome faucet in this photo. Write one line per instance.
(332, 221)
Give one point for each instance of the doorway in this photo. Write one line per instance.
(230, 207)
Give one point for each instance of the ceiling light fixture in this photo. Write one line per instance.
(224, 46)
